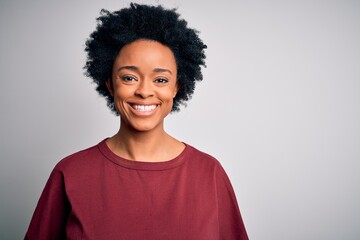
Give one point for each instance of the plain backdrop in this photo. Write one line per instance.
(279, 107)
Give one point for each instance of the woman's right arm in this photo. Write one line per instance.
(51, 213)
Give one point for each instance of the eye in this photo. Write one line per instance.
(128, 78)
(161, 80)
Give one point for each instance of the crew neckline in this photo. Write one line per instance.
(140, 165)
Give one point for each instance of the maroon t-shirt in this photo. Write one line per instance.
(95, 194)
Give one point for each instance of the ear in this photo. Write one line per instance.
(109, 86)
(176, 90)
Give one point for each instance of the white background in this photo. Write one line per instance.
(279, 106)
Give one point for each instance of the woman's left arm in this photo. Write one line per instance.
(231, 225)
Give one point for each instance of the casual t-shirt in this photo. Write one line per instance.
(95, 194)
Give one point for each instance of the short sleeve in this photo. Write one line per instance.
(52, 210)
(231, 225)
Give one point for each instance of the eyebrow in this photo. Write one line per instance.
(128, 67)
(157, 70)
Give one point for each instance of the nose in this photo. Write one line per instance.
(145, 89)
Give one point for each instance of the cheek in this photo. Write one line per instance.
(122, 92)
(169, 95)
(120, 96)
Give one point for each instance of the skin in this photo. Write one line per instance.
(144, 84)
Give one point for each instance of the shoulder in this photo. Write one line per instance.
(205, 161)
(80, 159)
(200, 155)
(201, 159)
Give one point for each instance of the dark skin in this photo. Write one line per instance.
(143, 84)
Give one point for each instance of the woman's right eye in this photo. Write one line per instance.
(128, 78)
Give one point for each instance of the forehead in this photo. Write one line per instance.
(146, 52)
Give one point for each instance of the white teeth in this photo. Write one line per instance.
(144, 108)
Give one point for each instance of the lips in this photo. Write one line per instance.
(144, 108)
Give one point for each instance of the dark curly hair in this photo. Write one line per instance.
(116, 29)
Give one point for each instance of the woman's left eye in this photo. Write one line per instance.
(161, 80)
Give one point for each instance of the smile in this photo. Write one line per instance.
(144, 108)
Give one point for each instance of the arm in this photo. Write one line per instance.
(230, 222)
(50, 216)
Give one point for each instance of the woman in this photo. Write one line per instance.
(140, 183)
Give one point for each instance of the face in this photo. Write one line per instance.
(144, 84)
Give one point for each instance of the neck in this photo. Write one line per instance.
(151, 146)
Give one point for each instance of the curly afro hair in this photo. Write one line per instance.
(116, 29)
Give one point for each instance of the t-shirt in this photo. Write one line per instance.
(95, 194)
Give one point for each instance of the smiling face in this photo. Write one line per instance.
(144, 84)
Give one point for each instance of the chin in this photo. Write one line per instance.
(145, 126)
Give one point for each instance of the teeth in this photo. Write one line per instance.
(144, 108)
